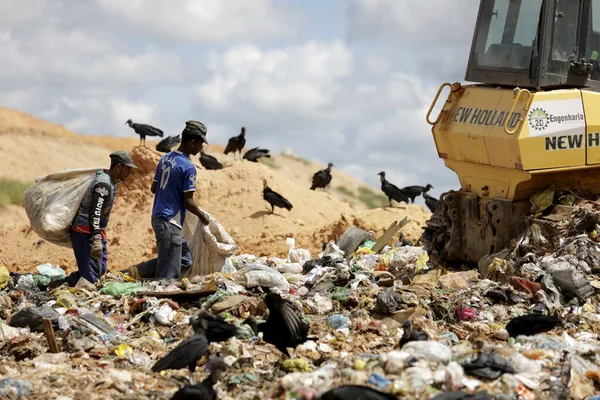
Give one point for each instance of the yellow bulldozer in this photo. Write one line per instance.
(528, 119)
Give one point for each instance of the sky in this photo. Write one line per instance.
(347, 82)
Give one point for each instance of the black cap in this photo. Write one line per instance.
(122, 157)
(196, 128)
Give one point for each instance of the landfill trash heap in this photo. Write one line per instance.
(523, 325)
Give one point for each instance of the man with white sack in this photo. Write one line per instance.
(88, 230)
(173, 187)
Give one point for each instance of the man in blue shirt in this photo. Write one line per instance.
(173, 187)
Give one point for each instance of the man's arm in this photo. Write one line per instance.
(153, 187)
(100, 195)
(191, 206)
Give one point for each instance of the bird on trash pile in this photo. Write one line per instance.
(322, 178)
(256, 153)
(410, 334)
(144, 130)
(283, 328)
(204, 390)
(355, 392)
(165, 145)
(236, 143)
(218, 329)
(188, 351)
(393, 192)
(460, 395)
(413, 191)
(209, 162)
(274, 198)
(430, 202)
(532, 324)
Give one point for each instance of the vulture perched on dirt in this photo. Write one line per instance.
(430, 202)
(218, 329)
(165, 145)
(322, 178)
(283, 328)
(410, 334)
(256, 153)
(275, 199)
(209, 162)
(188, 351)
(144, 130)
(355, 392)
(204, 390)
(393, 192)
(236, 143)
(413, 191)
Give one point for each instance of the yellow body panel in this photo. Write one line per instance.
(547, 140)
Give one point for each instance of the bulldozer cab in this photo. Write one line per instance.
(537, 44)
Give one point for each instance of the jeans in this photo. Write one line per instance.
(174, 254)
(87, 266)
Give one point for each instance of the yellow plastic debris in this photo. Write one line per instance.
(123, 350)
(4, 276)
(421, 262)
(359, 364)
(296, 365)
(542, 200)
(363, 251)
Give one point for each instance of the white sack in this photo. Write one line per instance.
(210, 245)
(51, 203)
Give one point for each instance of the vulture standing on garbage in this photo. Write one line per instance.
(144, 130)
(209, 162)
(283, 328)
(414, 191)
(355, 392)
(236, 143)
(393, 192)
(274, 198)
(203, 390)
(165, 145)
(189, 351)
(430, 202)
(532, 324)
(322, 178)
(256, 153)
(218, 329)
(410, 334)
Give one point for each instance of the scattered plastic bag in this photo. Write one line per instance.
(114, 288)
(52, 271)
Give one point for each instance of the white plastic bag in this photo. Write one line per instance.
(51, 203)
(210, 245)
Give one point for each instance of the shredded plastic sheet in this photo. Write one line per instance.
(51, 203)
(210, 245)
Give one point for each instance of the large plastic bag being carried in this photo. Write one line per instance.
(53, 200)
(210, 245)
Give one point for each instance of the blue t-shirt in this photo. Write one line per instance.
(174, 175)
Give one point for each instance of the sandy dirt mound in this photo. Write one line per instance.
(234, 196)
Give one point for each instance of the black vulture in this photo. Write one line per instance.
(204, 390)
(209, 162)
(322, 178)
(414, 191)
(218, 329)
(256, 153)
(188, 351)
(532, 324)
(274, 198)
(144, 130)
(355, 392)
(393, 192)
(165, 145)
(283, 328)
(236, 143)
(410, 334)
(460, 395)
(402, 241)
(430, 202)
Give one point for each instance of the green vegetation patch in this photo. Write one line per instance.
(12, 192)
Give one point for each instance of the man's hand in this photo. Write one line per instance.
(96, 246)
(203, 219)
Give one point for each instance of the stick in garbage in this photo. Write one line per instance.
(49, 332)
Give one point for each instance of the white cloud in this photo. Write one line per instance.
(206, 21)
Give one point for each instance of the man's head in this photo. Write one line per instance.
(192, 137)
(120, 165)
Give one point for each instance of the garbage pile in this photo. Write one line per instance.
(524, 325)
